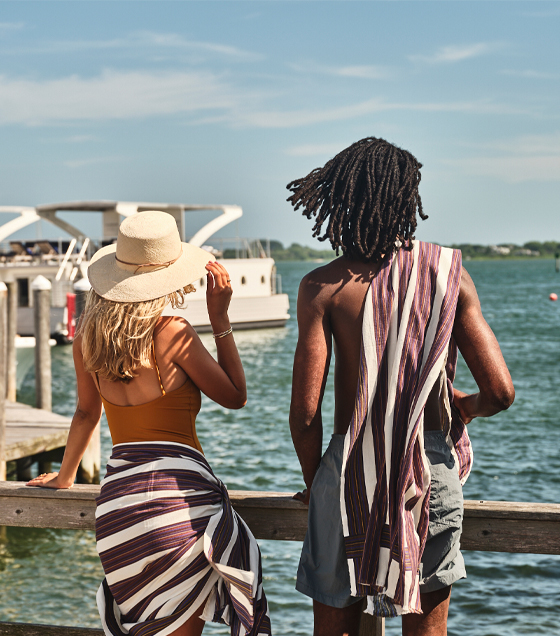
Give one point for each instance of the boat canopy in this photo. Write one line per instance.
(112, 211)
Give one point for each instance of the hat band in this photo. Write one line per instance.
(166, 264)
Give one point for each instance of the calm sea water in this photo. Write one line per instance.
(50, 576)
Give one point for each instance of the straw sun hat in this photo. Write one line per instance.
(148, 261)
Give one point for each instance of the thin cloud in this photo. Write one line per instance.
(545, 13)
(297, 118)
(453, 54)
(173, 40)
(111, 95)
(139, 41)
(525, 158)
(359, 71)
(512, 169)
(312, 150)
(548, 144)
(80, 139)
(83, 163)
(530, 74)
(202, 96)
(362, 72)
(7, 27)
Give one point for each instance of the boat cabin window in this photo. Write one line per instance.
(263, 281)
(23, 292)
(243, 280)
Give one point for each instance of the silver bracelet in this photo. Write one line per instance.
(223, 334)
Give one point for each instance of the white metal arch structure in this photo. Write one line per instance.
(229, 213)
(48, 212)
(27, 217)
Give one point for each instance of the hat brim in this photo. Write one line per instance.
(123, 285)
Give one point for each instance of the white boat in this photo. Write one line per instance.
(257, 301)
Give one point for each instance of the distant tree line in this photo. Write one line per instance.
(295, 252)
(531, 249)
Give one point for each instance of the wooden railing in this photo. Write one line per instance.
(488, 525)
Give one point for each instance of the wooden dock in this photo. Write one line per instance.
(32, 431)
(41, 436)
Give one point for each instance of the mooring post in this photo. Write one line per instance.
(11, 381)
(3, 344)
(90, 466)
(81, 289)
(41, 288)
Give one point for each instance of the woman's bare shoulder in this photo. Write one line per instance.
(173, 330)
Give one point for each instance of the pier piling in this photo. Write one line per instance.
(41, 288)
(11, 370)
(3, 357)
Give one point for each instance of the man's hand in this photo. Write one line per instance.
(302, 496)
(461, 402)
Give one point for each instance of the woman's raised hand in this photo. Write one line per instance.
(47, 480)
(218, 295)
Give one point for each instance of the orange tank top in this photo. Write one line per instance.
(169, 418)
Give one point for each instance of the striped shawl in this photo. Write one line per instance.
(406, 346)
(172, 546)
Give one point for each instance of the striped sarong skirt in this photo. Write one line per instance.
(172, 547)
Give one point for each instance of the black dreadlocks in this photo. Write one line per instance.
(369, 194)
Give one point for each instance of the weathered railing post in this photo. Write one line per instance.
(41, 289)
(11, 371)
(371, 625)
(90, 466)
(3, 343)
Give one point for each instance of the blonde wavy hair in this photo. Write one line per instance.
(117, 337)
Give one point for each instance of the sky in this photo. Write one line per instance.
(226, 102)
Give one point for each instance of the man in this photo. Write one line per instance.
(386, 499)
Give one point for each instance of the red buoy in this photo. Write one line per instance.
(553, 296)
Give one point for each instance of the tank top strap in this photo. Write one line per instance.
(96, 381)
(157, 369)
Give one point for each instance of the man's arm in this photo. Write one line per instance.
(483, 356)
(311, 366)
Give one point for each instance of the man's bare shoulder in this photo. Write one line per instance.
(468, 296)
(339, 283)
(328, 273)
(321, 284)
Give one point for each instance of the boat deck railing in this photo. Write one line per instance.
(498, 526)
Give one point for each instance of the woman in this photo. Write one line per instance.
(174, 552)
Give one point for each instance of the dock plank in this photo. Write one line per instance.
(30, 629)
(31, 431)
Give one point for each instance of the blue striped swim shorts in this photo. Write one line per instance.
(323, 568)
